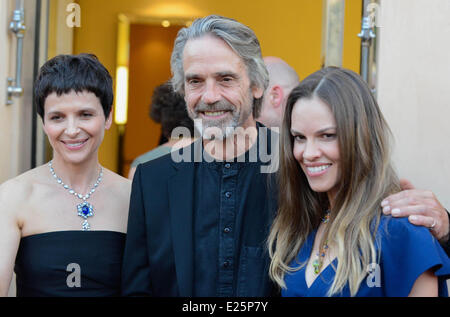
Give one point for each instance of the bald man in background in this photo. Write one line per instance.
(282, 79)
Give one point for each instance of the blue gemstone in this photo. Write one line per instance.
(85, 210)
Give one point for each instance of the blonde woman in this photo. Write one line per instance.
(329, 237)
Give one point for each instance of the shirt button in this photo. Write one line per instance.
(227, 165)
(228, 194)
(226, 230)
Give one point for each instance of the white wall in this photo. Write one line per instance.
(414, 89)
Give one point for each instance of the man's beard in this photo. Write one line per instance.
(219, 128)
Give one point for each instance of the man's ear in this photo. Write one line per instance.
(257, 92)
(276, 95)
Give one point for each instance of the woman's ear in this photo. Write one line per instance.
(44, 127)
(108, 121)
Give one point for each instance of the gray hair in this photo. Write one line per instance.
(239, 37)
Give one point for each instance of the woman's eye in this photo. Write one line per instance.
(329, 136)
(54, 118)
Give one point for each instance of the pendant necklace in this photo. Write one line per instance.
(318, 262)
(84, 209)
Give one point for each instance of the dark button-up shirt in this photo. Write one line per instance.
(234, 208)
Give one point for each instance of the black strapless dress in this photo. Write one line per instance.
(70, 263)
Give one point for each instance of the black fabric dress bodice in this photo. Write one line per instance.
(70, 263)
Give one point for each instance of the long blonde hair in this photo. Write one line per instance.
(366, 177)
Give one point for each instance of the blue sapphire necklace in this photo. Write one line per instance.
(84, 209)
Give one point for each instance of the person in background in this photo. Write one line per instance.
(330, 237)
(282, 79)
(63, 224)
(169, 109)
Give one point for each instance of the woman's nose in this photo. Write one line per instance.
(72, 128)
(312, 151)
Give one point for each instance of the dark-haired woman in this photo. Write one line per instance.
(63, 224)
(329, 237)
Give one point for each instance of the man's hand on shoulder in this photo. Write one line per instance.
(421, 207)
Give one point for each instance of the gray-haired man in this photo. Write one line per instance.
(198, 228)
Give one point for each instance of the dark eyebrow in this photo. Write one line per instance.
(50, 113)
(87, 108)
(326, 129)
(317, 132)
(83, 109)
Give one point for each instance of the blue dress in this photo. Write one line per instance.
(407, 251)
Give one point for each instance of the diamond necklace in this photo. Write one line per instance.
(84, 209)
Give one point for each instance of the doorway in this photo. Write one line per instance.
(149, 66)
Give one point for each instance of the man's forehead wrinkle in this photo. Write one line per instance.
(197, 47)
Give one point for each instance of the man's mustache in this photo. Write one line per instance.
(221, 105)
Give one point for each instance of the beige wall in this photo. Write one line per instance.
(15, 119)
(5, 111)
(414, 89)
(60, 36)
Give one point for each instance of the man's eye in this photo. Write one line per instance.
(299, 137)
(87, 114)
(193, 81)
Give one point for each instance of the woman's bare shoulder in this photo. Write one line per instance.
(118, 183)
(16, 190)
(118, 193)
(22, 183)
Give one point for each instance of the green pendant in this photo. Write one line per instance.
(316, 265)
